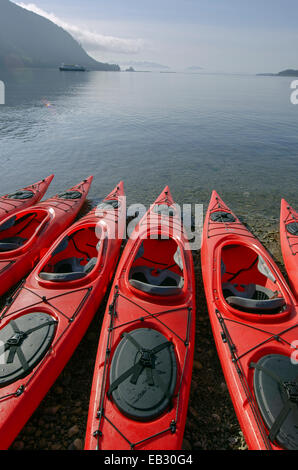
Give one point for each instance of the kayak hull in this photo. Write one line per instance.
(289, 243)
(243, 337)
(70, 304)
(131, 312)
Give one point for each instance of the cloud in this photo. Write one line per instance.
(91, 41)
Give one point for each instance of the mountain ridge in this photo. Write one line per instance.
(283, 73)
(30, 40)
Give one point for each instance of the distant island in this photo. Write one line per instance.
(283, 73)
(144, 65)
(194, 68)
(30, 40)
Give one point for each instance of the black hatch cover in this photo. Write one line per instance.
(20, 195)
(70, 195)
(143, 374)
(276, 390)
(23, 343)
(221, 216)
(292, 228)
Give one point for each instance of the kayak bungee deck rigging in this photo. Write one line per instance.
(142, 375)
(289, 243)
(255, 325)
(24, 235)
(49, 314)
(23, 198)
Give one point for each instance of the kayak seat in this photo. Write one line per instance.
(69, 269)
(253, 298)
(166, 282)
(12, 243)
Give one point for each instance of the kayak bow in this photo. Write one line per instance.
(23, 198)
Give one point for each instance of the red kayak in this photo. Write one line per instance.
(29, 232)
(50, 313)
(23, 198)
(289, 243)
(143, 369)
(255, 326)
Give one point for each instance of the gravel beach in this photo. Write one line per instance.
(59, 423)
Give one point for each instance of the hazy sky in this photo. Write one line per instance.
(245, 36)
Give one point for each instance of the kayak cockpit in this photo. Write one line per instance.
(247, 282)
(19, 230)
(157, 268)
(74, 257)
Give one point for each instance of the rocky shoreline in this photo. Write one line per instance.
(59, 423)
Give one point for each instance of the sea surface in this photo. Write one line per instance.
(194, 132)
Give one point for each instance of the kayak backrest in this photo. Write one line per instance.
(157, 268)
(252, 298)
(270, 306)
(164, 282)
(74, 257)
(69, 270)
(22, 227)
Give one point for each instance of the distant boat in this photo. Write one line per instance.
(72, 68)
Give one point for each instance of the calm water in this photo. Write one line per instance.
(236, 134)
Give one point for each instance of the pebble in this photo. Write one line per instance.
(186, 445)
(216, 417)
(73, 430)
(18, 445)
(56, 447)
(77, 444)
(52, 410)
(197, 365)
